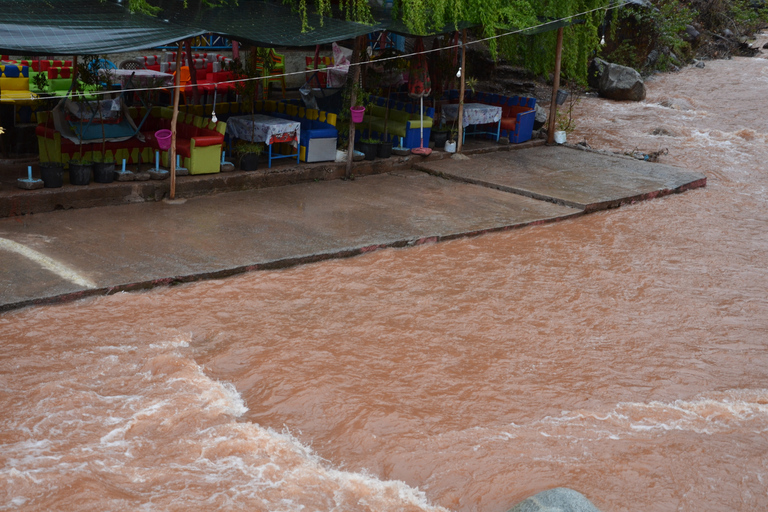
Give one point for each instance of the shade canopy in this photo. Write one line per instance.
(82, 27)
(92, 27)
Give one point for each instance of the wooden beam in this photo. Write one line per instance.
(555, 87)
(352, 99)
(462, 88)
(174, 122)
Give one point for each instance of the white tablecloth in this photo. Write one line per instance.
(138, 78)
(262, 128)
(474, 113)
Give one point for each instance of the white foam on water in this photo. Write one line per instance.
(151, 423)
(710, 414)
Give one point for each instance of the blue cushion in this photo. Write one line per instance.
(11, 71)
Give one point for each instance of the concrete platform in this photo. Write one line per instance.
(68, 254)
(77, 253)
(581, 179)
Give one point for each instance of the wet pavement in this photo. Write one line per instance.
(64, 255)
(587, 180)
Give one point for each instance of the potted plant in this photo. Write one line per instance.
(357, 110)
(94, 80)
(248, 74)
(564, 121)
(369, 147)
(439, 135)
(249, 153)
(79, 168)
(450, 144)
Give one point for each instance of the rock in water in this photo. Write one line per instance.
(616, 82)
(560, 499)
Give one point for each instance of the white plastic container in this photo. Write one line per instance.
(450, 147)
(560, 137)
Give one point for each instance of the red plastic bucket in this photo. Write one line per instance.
(163, 139)
(357, 114)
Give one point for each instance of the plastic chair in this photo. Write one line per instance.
(277, 74)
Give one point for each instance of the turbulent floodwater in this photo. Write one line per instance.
(623, 354)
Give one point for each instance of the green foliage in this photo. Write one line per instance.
(145, 7)
(747, 16)
(243, 146)
(644, 29)
(580, 41)
(740, 16)
(564, 119)
(625, 54)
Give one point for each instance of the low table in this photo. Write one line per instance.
(475, 114)
(263, 128)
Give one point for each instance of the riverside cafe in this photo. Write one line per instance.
(102, 27)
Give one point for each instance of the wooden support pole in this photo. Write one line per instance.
(462, 88)
(192, 72)
(174, 121)
(352, 99)
(555, 87)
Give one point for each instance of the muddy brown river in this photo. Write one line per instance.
(623, 354)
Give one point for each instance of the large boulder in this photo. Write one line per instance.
(616, 82)
(560, 499)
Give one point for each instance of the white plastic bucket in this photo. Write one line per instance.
(560, 137)
(450, 147)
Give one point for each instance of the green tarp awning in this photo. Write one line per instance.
(92, 27)
(81, 27)
(270, 24)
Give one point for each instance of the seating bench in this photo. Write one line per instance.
(199, 141)
(517, 112)
(403, 122)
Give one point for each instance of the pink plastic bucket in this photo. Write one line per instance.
(357, 114)
(163, 139)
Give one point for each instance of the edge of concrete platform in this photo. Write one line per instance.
(586, 207)
(272, 265)
(17, 202)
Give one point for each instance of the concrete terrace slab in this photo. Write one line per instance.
(142, 245)
(581, 179)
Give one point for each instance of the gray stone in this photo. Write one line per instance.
(183, 171)
(727, 33)
(691, 35)
(596, 69)
(699, 64)
(225, 167)
(620, 83)
(28, 184)
(560, 499)
(541, 117)
(503, 140)
(124, 176)
(400, 151)
(159, 174)
(653, 57)
(141, 176)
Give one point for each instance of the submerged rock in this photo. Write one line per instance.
(560, 499)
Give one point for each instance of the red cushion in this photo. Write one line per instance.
(508, 123)
(182, 147)
(208, 140)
